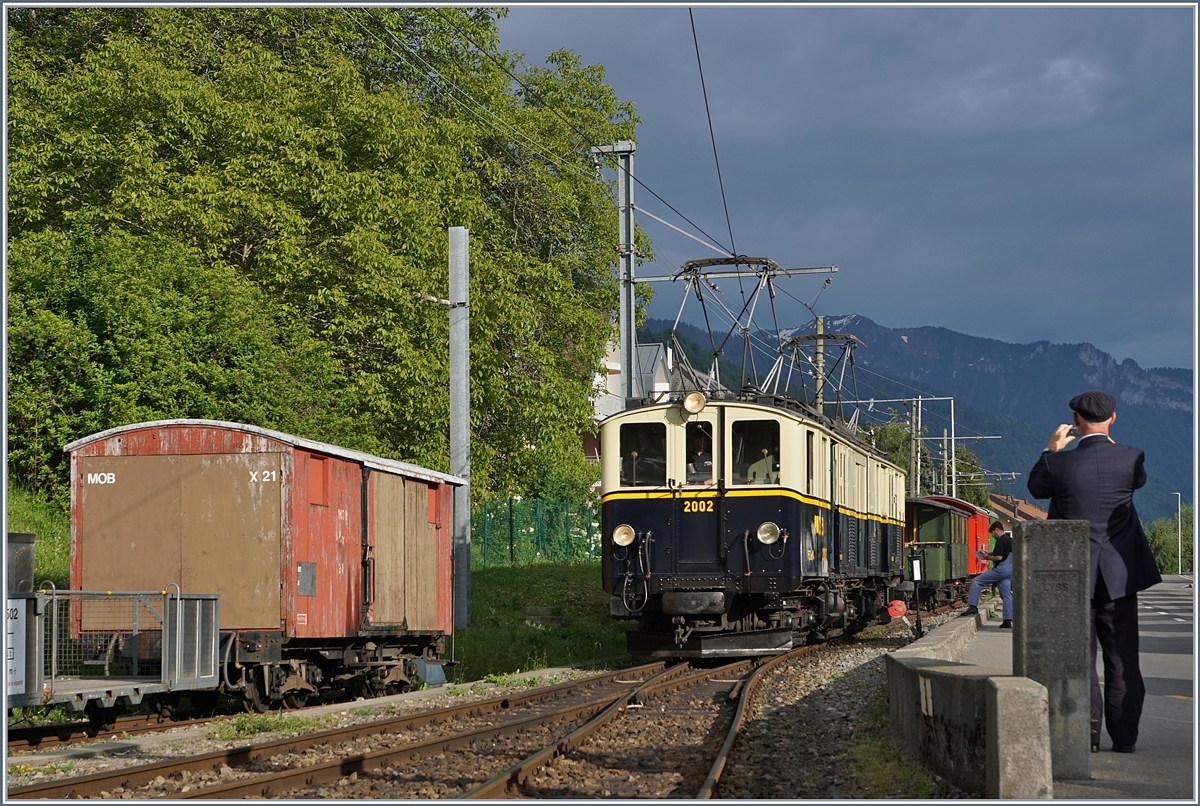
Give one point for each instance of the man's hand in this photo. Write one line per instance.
(1060, 439)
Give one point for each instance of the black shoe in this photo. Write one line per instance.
(1123, 748)
(1095, 747)
(971, 610)
(1006, 624)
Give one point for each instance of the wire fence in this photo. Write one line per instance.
(523, 532)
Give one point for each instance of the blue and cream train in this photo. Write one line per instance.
(745, 525)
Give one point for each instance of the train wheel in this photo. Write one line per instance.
(253, 700)
(204, 702)
(100, 718)
(296, 699)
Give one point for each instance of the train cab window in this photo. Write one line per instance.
(699, 460)
(809, 447)
(756, 452)
(644, 455)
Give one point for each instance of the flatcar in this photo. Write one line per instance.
(743, 525)
(945, 533)
(333, 566)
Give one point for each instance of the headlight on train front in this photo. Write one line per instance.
(768, 533)
(694, 403)
(623, 535)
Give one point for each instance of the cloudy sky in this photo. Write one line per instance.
(1014, 173)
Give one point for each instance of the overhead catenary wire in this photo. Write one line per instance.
(712, 136)
(545, 105)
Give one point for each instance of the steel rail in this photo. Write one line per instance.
(272, 784)
(68, 733)
(709, 788)
(131, 777)
(678, 677)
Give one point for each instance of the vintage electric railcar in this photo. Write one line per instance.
(945, 532)
(744, 525)
(333, 566)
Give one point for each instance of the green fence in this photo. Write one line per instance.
(520, 532)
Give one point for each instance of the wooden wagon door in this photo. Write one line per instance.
(405, 551)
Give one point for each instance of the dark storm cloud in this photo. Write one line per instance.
(1016, 173)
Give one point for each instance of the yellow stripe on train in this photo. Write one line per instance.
(816, 502)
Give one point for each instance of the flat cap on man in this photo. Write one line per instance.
(1094, 406)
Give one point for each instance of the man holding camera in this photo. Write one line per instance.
(1095, 482)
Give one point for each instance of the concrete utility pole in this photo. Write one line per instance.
(914, 482)
(819, 364)
(625, 253)
(460, 419)
(953, 452)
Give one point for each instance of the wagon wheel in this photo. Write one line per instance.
(204, 702)
(253, 699)
(295, 699)
(100, 718)
(167, 707)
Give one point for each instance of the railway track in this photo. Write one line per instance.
(417, 734)
(38, 737)
(642, 732)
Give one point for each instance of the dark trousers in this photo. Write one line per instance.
(1115, 629)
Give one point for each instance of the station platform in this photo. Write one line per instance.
(1164, 765)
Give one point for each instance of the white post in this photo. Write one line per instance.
(953, 455)
(460, 420)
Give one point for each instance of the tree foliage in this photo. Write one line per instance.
(252, 196)
(894, 438)
(1165, 535)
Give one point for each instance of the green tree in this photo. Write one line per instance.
(893, 438)
(119, 328)
(318, 156)
(1164, 535)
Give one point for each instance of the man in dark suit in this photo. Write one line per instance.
(1095, 483)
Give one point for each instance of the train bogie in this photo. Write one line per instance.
(332, 566)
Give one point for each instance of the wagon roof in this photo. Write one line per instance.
(366, 459)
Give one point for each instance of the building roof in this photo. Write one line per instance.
(365, 459)
(1009, 507)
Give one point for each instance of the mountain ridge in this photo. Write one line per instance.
(1020, 392)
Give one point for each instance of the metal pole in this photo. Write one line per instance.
(819, 364)
(918, 448)
(945, 467)
(953, 458)
(914, 484)
(1179, 528)
(460, 419)
(625, 253)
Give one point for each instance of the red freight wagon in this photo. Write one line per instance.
(333, 566)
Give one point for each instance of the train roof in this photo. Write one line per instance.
(754, 399)
(935, 504)
(365, 459)
(958, 503)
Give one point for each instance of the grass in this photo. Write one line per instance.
(500, 643)
(52, 551)
(877, 764)
(245, 726)
(48, 769)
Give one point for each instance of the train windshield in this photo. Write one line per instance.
(699, 453)
(756, 452)
(644, 455)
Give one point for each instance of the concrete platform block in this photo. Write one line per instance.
(1018, 740)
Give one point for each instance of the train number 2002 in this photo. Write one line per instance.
(699, 505)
